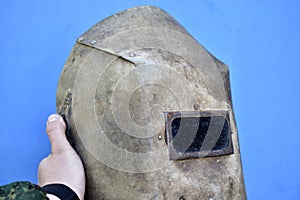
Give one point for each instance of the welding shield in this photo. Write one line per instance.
(149, 111)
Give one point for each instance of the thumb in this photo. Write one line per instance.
(55, 129)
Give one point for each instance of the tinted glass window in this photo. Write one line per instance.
(194, 134)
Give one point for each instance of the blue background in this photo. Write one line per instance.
(258, 39)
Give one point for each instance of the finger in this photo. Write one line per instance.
(55, 129)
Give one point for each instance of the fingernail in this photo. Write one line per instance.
(53, 118)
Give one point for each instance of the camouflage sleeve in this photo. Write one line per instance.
(22, 190)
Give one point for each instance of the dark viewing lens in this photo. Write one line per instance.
(195, 134)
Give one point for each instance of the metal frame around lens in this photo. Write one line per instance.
(177, 155)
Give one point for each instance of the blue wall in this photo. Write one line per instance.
(258, 39)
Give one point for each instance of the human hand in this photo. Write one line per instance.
(63, 165)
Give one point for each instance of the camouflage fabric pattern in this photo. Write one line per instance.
(22, 191)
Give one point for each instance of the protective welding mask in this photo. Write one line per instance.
(149, 112)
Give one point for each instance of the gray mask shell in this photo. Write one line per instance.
(149, 111)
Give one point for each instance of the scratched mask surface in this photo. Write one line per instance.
(127, 79)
